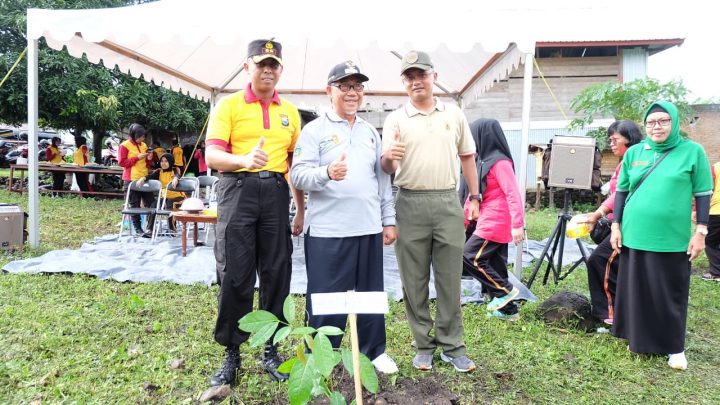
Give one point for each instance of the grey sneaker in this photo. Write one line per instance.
(423, 362)
(461, 363)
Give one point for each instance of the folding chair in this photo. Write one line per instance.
(211, 196)
(206, 183)
(187, 185)
(150, 186)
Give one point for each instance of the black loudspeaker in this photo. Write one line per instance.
(571, 162)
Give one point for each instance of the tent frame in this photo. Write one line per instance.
(33, 191)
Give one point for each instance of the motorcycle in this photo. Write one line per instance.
(21, 151)
(110, 153)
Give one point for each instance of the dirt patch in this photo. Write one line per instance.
(430, 389)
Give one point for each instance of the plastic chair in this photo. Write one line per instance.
(150, 186)
(187, 185)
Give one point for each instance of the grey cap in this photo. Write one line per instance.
(416, 59)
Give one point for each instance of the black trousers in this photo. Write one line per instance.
(58, 180)
(252, 239)
(82, 181)
(712, 245)
(602, 271)
(342, 264)
(486, 261)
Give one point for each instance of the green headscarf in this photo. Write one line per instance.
(674, 138)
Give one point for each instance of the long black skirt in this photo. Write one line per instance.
(652, 300)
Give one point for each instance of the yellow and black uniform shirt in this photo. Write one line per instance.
(134, 168)
(52, 155)
(241, 119)
(177, 153)
(80, 157)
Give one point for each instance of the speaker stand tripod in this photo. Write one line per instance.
(557, 238)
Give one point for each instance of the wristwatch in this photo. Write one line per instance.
(702, 231)
(476, 197)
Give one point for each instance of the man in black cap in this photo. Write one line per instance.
(337, 160)
(250, 141)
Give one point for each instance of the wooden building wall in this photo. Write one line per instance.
(566, 76)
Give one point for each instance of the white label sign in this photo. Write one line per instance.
(351, 302)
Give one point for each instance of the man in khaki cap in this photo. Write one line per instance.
(422, 141)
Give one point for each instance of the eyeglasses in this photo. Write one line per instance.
(663, 123)
(345, 87)
(614, 141)
(422, 75)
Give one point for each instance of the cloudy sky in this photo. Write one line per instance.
(697, 61)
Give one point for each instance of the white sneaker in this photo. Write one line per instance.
(384, 364)
(678, 361)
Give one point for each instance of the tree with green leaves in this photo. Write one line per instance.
(77, 95)
(625, 101)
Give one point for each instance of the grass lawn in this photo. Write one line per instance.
(77, 339)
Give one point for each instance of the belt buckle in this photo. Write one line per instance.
(264, 174)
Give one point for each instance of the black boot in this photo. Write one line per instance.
(137, 225)
(270, 362)
(228, 370)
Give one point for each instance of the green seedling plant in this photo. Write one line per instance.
(310, 373)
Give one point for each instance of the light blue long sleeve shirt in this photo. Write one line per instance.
(360, 204)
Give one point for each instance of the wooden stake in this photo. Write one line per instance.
(356, 357)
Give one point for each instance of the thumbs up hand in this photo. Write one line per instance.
(337, 170)
(257, 157)
(397, 148)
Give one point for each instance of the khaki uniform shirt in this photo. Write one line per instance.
(433, 143)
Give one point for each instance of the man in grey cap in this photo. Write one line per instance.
(350, 209)
(421, 142)
(250, 139)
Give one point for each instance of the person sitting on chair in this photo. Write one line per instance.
(167, 174)
(602, 264)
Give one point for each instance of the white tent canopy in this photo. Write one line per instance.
(198, 47)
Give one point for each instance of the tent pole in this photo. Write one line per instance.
(33, 193)
(522, 175)
(230, 78)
